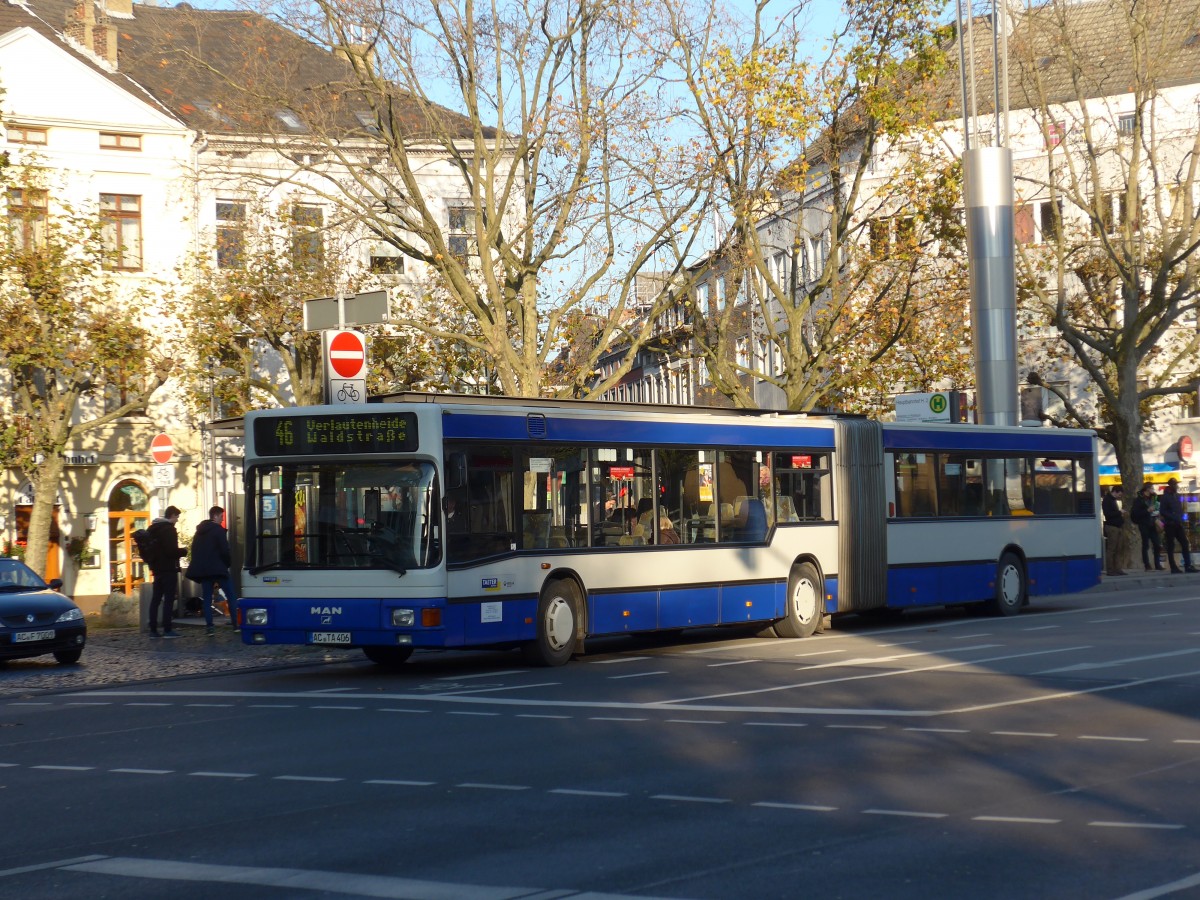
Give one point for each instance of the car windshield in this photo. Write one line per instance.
(16, 576)
(338, 516)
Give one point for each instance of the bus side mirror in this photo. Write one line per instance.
(456, 471)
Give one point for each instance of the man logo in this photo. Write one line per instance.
(325, 611)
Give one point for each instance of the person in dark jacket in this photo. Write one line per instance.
(1114, 531)
(210, 564)
(164, 565)
(1170, 508)
(1145, 518)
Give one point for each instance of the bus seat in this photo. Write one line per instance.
(785, 510)
(753, 526)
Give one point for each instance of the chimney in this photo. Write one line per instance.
(121, 9)
(81, 20)
(104, 40)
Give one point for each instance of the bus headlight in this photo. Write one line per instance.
(255, 616)
(405, 618)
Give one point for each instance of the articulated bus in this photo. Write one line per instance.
(436, 521)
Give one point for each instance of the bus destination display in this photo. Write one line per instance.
(306, 435)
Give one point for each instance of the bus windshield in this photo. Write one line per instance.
(316, 515)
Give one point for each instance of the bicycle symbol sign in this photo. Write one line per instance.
(348, 390)
(348, 393)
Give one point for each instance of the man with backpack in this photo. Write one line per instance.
(165, 554)
(210, 563)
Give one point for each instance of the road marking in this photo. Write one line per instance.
(317, 778)
(143, 771)
(66, 768)
(1101, 621)
(226, 705)
(1165, 615)
(1017, 820)
(223, 774)
(1062, 695)
(82, 703)
(350, 708)
(484, 675)
(483, 786)
(736, 662)
(613, 718)
(397, 710)
(541, 716)
(696, 722)
(910, 813)
(492, 690)
(725, 645)
(617, 660)
(1105, 737)
(942, 730)
(575, 792)
(1084, 667)
(859, 727)
(779, 724)
(637, 675)
(148, 704)
(400, 782)
(1045, 734)
(256, 705)
(1150, 825)
(1042, 628)
(828, 652)
(684, 798)
(41, 867)
(470, 712)
(806, 807)
(967, 637)
(1185, 741)
(1161, 890)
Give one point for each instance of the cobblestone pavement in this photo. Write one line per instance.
(125, 656)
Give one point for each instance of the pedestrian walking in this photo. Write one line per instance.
(164, 559)
(1170, 509)
(210, 563)
(1114, 531)
(1145, 517)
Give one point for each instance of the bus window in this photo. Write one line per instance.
(1054, 487)
(960, 485)
(742, 512)
(621, 481)
(686, 493)
(489, 527)
(802, 491)
(552, 498)
(916, 493)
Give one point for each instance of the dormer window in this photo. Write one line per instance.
(290, 120)
(112, 140)
(367, 120)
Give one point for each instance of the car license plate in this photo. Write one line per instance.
(331, 637)
(24, 636)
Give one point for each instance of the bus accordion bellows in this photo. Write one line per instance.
(437, 521)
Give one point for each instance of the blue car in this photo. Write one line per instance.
(35, 618)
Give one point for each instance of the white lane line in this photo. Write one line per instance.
(1165, 615)
(1185, 741)
(65, 768)
(696, 722)
(149, 704)
(1064, 695)
(1084, 667)
(332, 690)
(399, 710)
(891, 644)
(291, 881)
(224, 774)
(484, 786)
(909, 813)
(82, 703)
(615, 718)
(736, 662)
(828, 652)
(637, 675)
(685, 798)
(859, 727)
(806, 807)
(1045, 734)
(1107, 737)
(967, 637)
(28, 703)
(41, 867)
(619, 660)
(1017, 820)
(225, 705)
(1149, 825)
(349, 708)
(1101, 621)
(400, 782)
(723, 646)
(256, 705)
(10, 765)
(942, 730)
(1042, 628)
(495, 690)
(470, 712)
(1152, 892)
(484, 675)
(143, 771)
(542, 716)
(576, 792)
(315, 778)
(778, 724)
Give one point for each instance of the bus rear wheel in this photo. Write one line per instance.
(1010, 586)
(390, 657)
(557, 620)
(805, 609)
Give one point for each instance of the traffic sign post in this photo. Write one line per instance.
(345, 367)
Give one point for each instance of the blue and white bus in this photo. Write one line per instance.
(433, 521)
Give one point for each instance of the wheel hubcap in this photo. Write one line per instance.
(804, 600)
(560, 623)
(1010, 585)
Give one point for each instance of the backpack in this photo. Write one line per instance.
(147, 546)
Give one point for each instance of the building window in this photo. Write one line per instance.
(27, 134)
(386, 261)
(1049, 220)
(27, 218)
(111, 140)
(308, 244)
(460, 241)
(121, 226)
(1127, 123)
(231, 234)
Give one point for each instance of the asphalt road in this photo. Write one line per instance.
(1054, 754)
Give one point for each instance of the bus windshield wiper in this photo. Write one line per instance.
(390, 564)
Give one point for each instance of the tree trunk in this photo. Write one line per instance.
(45, 479)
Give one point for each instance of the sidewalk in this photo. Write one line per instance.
(1142, 579)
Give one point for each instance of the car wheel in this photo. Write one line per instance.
(1010, 586)
(557, 618)
(390, 657)
(68, 657)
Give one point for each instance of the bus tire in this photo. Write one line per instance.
(389, 657)
(557, 621)
(1011, 587)
(805, 611)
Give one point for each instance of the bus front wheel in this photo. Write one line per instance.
(1010, 586)
(388, 656)
(804, 607)
(557, 618)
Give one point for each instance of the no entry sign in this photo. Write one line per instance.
(347, 355)
(162, 449)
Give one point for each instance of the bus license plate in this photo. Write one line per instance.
(331, 637)
(23, 636)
